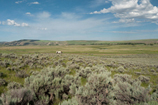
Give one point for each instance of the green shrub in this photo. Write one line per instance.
(1, 74)
(21, 74)
(74, 66)
(152, 70)
(120, 69)
(14, 85)
(144, 79)
(129, 91)
(72, 101)
(21, 96)
(85, 72)
(2, 82)
(48, 83)
(97, 91)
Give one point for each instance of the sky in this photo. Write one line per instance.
(78, 19)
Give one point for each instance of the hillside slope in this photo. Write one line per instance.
(27, 42)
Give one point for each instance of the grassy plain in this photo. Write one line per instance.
(122, 55)
(84, 49)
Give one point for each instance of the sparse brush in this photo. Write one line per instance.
(120, 69)
(97, 91)
(74, 66)
(48, 83)
(21, 74)
(138, 73)
(2, 82)
(143, 78)
(21, 96)
(152, 70)
(14, 85)
(1, 74)
(72, 101)
(129, 91)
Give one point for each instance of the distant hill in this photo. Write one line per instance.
(27, 42)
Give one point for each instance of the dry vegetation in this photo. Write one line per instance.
(85, 78)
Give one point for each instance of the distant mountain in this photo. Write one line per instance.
(28, 42)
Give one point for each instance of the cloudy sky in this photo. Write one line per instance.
(78, 19)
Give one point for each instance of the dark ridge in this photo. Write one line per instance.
(26, 40)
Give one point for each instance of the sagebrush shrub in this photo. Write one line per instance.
(1, 74)
(50, 83)
(14, 85)
(129, 91)
(2, 82)
(72, 101)
(120, 69)
(21, 74)
(21, 96)
(97, 91)
(143, 78)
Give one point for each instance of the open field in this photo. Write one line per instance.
(84, 49)
(53, 79)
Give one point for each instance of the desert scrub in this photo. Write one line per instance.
(14, 85)
(21, 96)
(129, 91)
(74, 66)
(4, 63)
(152, 70)
(50, 83)
(2, 82)
(72, 101)
(1, 74)
(98, 90)
(144, 79)
(138, 73)
(120, 69)
(21, 74)
(84, 72)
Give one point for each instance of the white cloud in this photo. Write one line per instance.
(124, 32)
(69, 15)
(42, 29)
(34, 2)
(132, 9)
(96, 3)
(107, 1)
(0, 22)
(16, 24)
(43, 15)
(125, 21)
(28, 13)
(67, 23)
(18, 2)
(136, 31)
(62, 27)
(24, 25)
(13, 23)
(3, 22)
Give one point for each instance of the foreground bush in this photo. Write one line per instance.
(97, 91)
(14, 85)
(129, 91)
(72, 101)
(74, 81)
(2, 82)
(21, 96)
(47, 85)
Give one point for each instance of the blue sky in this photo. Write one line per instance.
(78, 19)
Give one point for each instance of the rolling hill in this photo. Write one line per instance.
(28, 42)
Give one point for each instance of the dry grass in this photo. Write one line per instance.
(84, 49)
